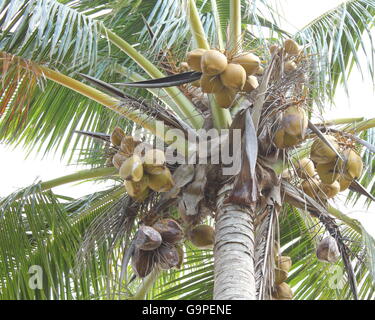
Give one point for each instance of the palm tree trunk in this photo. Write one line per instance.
(234, 250)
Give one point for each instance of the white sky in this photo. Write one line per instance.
(18, 172)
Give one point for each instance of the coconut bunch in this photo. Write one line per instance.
(282, 290)
(140, 173)
(292, 127)
(223, 75)
(202, 236)
(158, 246)
(324, 174)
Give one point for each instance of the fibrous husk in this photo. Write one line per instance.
(211, 84)
(280, 275)
(213, 62)
(118, 159)
(225, 98)
(291, 47)
(330, 190)
(344, 183)
(136, 189)
(305, 168)
(250, 84)
(117, 136)
(194, 59)
(328, 250)
(132, 169)
(282, 292)
(295, 121)
(143, 262)
(154, 161)
(170, 230)
(328, 172)
(148, 238)
(284, 263)
(321, 153)
(196, 83)
(202, 236)
(161, 182)
(290, 66)
(234, 76)
(249, 61)
(167, 257)
(352, 165)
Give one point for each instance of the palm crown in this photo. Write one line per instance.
(52, 50)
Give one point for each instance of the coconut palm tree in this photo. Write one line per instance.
(73, 71)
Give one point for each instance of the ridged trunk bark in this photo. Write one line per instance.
(234, 251)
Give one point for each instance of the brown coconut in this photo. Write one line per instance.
(234, 76)
(202, 236)
(225, 98)
(117, 136)
(250, 84)
(213, 62)
(194, 59)
(291, 47)
(249, 61)
(170, 231)
(211, 84)
(148, 238)
(282, 292)
(328, 250)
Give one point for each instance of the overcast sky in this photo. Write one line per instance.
(16, 171)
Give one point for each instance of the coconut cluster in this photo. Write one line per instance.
(222, 76)
(141, 173)
(282, 291)
(324, 174)
(158, 246)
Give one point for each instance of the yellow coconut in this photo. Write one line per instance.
(213, 62)
(328, 172)
(305, 168)
(291, 47)
(225, 98)
(249, 61)
(211, 84)
(295, 121)
(290, 66)
(250, 84)
(344, 183)
(329, 190)
(234, 76)
(161, 182)
(136, 189)
(184, 66)
(202, 236)
(290, 140)
(311, 187)
(194, 59)
(132, 169)
(278, 138)
(284, 263)
(282, 292)
(154, 161)
(280, 276)
(321, 153)
(352, 165)
(117, 136)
